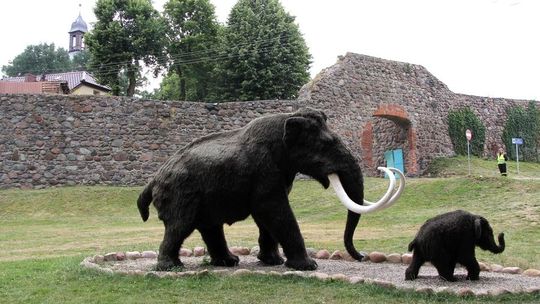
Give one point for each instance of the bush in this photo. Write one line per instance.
(458, 122)
(524, 123)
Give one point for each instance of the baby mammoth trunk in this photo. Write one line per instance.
(497, 249)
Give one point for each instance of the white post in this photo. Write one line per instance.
(469, 157)
(517, 158)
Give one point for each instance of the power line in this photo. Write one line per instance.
(113, 66)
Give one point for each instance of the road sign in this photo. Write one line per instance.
(468, 134)
(517, 141)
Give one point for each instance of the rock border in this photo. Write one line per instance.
(96, 262)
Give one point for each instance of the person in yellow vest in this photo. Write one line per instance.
(501, 161)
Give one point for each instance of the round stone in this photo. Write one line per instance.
(406, 258)
(394, 258)
(199, 251)
(336, 255)
(377, 257)
(532, 272)
(323, 254)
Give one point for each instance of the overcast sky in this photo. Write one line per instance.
(478, 47)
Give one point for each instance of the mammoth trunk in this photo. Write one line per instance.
(354, 187)
(497, 249)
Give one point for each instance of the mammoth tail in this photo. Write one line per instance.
(412, 245)
(145, 198)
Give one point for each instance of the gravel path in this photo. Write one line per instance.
(384, 274)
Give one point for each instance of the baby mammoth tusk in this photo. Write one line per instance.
(354, 207)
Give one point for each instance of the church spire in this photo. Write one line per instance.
(76, 33)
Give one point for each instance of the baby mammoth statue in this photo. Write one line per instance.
(451, 238)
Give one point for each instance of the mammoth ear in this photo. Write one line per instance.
(294, 127)
(478, 228)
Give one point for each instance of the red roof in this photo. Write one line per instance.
(73, 79)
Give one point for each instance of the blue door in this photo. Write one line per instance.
(394, 158)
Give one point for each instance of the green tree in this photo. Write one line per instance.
(458, 122)
(192, 45)
(81, 61)
(266, 55)
(169, 88)
(126, 34)
(39, 59)
(524, 123)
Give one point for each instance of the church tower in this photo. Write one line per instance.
(76, 33)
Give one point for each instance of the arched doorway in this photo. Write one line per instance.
(390, 129)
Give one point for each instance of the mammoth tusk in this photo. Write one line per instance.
(399, 190)
(389, 191)
(354, 207)
(389, 198)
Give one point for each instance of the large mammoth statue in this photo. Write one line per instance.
(451, 238)
(225, 177)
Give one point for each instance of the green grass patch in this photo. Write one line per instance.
(62, 280)
(44, 235)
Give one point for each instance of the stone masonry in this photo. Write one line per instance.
(374, 104)
(378, 105)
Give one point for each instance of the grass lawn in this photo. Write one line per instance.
(44, 235)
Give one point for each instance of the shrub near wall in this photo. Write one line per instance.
(458, 122)
(524, 123)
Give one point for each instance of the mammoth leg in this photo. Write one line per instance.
(175, 234)
(412, 271)
(214, 237)
(445, 267)
(276, 217)
(269, 253)
(473, 269)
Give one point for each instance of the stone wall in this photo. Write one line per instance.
(48, 140)
(374, 104)
(383, 104)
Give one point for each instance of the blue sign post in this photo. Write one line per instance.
(517, 141)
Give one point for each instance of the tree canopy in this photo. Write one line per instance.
(266, 56)
(126, 34)
(192, 40)
(39, 59)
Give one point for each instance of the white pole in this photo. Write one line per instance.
(517, 158)
(469, 157)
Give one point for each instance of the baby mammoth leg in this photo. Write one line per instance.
(214, 237)
(175, 234)
(473, 269)
(412, 271)
(445, 267)
(269, 253)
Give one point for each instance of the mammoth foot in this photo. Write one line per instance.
(270, 259)
(410, 275)
(228, 261)
(166, 264)
(473, 277)
(449, 278)
(307, 264)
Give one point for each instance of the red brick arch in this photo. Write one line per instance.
(397, 114)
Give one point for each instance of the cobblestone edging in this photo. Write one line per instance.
(142, 263)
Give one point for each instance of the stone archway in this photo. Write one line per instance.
(390, 128)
